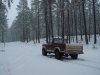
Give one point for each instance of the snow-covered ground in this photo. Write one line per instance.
(18, 58)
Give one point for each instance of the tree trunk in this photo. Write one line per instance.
(50, 18)
(84, 19)
(2, 37)
(80, 22)
(46, 20)
(23, 36)
(38, 25)
(75, 21)
(94, 15)
(68, 18)
(62, 19)
(58, 24)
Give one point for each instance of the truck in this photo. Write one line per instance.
(60, 48)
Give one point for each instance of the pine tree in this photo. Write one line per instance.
(7, 1)
(23, 19)
(3, 21)
(35, 9)
(84, 19)
(94, 16)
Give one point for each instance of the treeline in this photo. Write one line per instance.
(56, 18)
(3, 19)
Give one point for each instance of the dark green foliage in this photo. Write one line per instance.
(57, 18)
(3, 21)
(22, 23)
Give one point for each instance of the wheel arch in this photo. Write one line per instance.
(44, 47)
(56, 49)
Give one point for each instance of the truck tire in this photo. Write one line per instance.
(74, 56)
(58, 55)
(66, 55)
(44, 53)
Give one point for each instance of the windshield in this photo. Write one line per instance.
(59, 40)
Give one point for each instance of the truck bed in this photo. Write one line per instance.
(74, 48)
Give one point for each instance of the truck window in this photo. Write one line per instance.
(50, 42)
(58, 41)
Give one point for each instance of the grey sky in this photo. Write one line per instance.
(12, 13)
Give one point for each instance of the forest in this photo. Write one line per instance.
(49, 37)
(66, 19)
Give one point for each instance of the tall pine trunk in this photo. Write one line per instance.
(62, 19)
(50, 18)
(58, 24)
(84, 21)
(46, 20)
(2, 40)
(38, 25)
(94, 15)
(75, 21)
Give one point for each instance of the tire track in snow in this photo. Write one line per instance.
(81, 62)
(5, 68)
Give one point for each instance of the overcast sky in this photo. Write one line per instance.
(12, 13)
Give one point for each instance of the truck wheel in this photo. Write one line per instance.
(74, 56)
(66, 55)
(58, 55)
(44, 53)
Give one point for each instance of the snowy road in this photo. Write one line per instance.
(26, 59)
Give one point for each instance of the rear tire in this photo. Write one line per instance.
(58, 55)
(74, 56)
(44, 53)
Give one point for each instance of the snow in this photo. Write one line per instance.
(26, 59)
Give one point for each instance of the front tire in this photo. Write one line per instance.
(74, 56)
(44, 53)
(58, 55)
